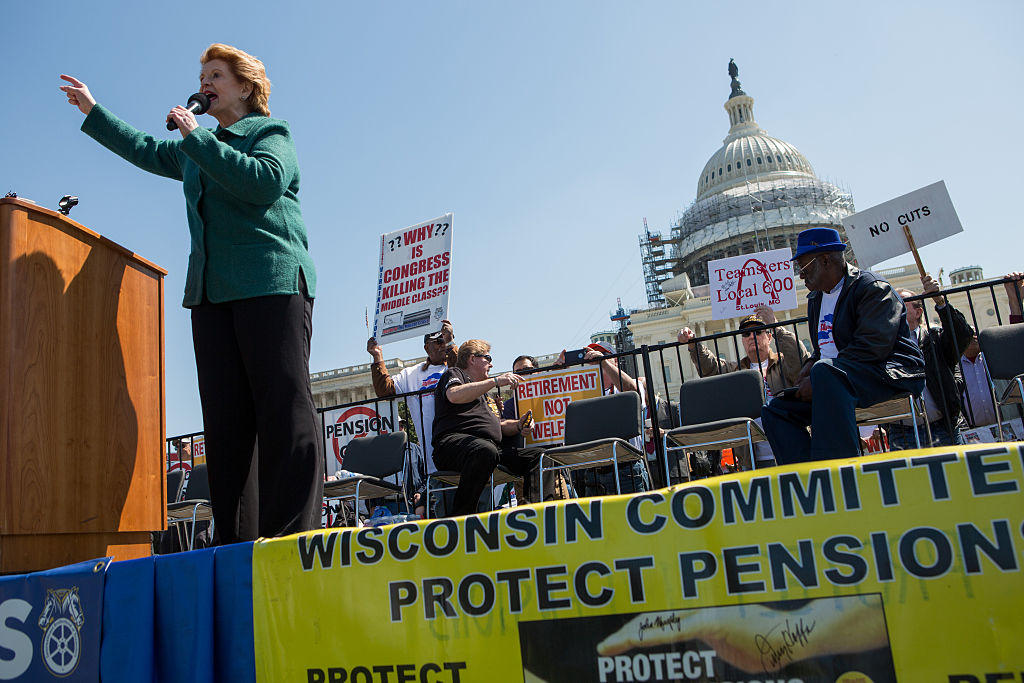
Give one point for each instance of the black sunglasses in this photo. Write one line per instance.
(747, 333)
(484, 356)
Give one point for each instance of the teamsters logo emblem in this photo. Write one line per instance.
(62, 620)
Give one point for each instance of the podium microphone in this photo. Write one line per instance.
(197, 104)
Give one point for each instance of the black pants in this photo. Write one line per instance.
(252, 358)
(475, 458)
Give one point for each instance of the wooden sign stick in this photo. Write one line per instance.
(913, 250)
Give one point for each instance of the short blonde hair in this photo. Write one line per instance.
(246, 68)
(468, 348)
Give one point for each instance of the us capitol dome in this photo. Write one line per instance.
(755, 193)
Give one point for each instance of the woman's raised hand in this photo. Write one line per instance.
(78, 94)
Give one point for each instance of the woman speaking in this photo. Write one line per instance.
(250, 288)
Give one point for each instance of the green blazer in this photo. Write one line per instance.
(241, 193)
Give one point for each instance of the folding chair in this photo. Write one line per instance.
(597, 433)
(175, 485)
(719, 411)
(370, 459)
(195, 508)
(896, 408)
(1003, 348)
(449, 480)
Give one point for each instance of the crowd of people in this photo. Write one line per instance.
(250, 287)
(868, 343)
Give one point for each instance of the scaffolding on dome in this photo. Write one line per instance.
(754, 216)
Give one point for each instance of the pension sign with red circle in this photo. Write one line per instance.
(344, 424)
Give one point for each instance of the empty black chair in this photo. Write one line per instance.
(1004, 354)
(175, 485)
(718, 411)
(196, 505)
(597, 433)
(370, 459)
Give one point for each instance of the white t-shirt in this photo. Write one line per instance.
(826, 340)
(416, 378)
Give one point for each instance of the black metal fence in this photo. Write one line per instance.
(977, 301)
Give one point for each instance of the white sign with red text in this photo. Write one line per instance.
(413, 280)
(739, 284)
(876, 234)
(344, 424)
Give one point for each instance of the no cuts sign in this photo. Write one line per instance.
(739, 284)
(876, 234)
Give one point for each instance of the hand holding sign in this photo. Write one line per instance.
(931, 287)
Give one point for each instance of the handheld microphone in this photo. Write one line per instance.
(197, 104)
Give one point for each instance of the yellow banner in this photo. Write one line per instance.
(904, 566)
(548, 394)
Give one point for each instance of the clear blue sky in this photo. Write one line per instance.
(549, 128)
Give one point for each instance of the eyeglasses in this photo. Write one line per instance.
(483, 355)
(806, 265)
(916, 304)
(747, 333)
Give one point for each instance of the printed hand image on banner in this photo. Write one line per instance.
(739, 284)
(413, 280)
(822, 640)
(548, 394)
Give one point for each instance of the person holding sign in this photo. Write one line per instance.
(864, 353)
(778, 370)
(942, 347)
(441, 353)
(250, 287)
(468, 428)
(600, 481)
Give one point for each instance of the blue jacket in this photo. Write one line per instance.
(241, 195)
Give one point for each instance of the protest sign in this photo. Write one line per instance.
(344, 424)
(833, 571)
(413, 280)
(1013, 430)
(739, 284)
(876, 234)
(548, 394)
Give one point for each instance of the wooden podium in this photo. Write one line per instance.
(81, 393)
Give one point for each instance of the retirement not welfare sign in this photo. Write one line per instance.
(905, 566)
(876, 234)
(412, 285)
(548, 394)
(739, 284)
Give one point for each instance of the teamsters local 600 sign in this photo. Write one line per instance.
(413, 281)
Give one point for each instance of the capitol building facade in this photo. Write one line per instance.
(755, 193)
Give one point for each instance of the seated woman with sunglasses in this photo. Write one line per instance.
(468, 428)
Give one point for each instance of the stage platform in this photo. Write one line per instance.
(903, 566)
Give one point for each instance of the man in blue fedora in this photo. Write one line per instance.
(863, 354)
